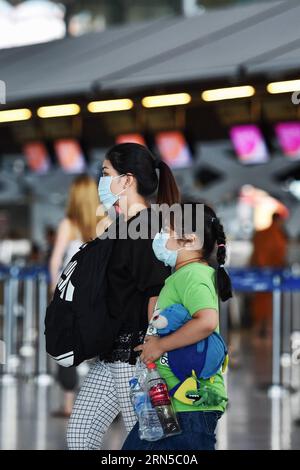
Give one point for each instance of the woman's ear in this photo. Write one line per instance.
(129, 181)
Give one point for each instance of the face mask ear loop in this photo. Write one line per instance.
(118, 194)
(179, 249)
(124, 188)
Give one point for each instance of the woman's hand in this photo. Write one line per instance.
(151, 349)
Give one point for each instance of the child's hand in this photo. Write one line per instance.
(151, 349)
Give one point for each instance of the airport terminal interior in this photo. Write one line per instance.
(211, 88)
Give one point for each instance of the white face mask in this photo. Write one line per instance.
(162, 253)
(107, 197)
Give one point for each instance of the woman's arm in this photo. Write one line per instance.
(202, 324)
(60, 246)
(151, 305)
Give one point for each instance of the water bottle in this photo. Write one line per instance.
(149, 425)
(159, 396)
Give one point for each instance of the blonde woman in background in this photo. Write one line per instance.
(78, 226)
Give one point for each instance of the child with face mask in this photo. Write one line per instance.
(197, 286)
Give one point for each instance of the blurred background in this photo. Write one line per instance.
(210, 86)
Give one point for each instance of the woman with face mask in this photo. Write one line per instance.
(134, 279)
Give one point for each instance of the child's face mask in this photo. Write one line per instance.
(162, 253)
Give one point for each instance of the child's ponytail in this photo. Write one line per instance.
(223, 279)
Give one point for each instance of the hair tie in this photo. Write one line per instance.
(221, 244)
(221, 265)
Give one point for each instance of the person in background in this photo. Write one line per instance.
(35, 255)
(269, 250)
(50, 235)
(77, 227)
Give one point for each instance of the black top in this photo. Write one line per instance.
(134, 275)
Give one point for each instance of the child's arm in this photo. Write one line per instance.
(202, 324)
(151, 305)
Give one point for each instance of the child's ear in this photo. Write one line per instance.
(189, 240)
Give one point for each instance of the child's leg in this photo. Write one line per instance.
(198, 433)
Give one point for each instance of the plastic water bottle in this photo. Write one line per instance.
(149, 425)
(159, 396)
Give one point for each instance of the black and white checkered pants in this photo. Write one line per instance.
(104, 393)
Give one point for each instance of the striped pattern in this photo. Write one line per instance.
(65, 285)
(65, 360)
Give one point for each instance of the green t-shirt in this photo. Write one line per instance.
(193, 286)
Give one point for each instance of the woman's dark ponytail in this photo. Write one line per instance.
(138, 160)
(223, 279)
(168, 191)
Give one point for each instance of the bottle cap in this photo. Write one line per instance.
(152, 365)
(133, 382)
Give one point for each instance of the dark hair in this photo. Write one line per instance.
(141, 163)
(276, 216)
(213, 235)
